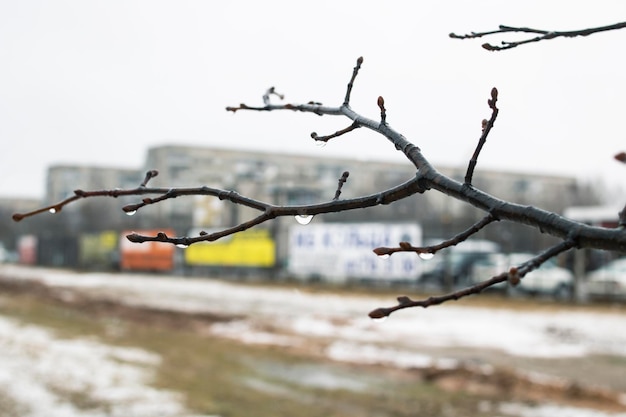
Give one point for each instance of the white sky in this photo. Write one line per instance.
(98, 82)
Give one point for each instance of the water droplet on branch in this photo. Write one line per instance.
(384, 256)
(131, 213)
(182, 246)
(426, 256)
(52, 210)
(304, 219)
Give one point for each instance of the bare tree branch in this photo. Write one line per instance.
(513, 276)
(433, 249)
(338, 133)
(149, 175)
(430, 178)
(487, 125)
(542, 35)
(269, 211)
(571, 233)
(355, 72)
(340, 183)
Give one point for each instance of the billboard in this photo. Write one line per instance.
(339, 251)
(253, 248)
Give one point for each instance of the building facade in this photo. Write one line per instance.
(62, 180)
(287, 179)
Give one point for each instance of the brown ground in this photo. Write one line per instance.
(582, 385)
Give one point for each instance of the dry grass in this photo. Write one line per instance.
(220, 377)
(488, 299)
(226, 378)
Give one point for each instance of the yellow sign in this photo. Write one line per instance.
(250, 248)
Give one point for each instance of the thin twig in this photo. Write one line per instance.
(487, 125)
(354, 125)
(271, 92)
(516, 272)
(149, 175)
(355, 72)
(433, 249)
(383, 111)
(543, 35)
(340, 183)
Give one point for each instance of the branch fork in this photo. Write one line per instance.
(427, 178)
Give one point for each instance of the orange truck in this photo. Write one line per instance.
(147, 256)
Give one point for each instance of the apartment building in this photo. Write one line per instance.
(300, 179)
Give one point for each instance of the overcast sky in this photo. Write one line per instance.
(99, 82)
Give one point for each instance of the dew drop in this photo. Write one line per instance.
(182, 246)
(426, 256)
(384, 256)
(380, 319)
(304, 219)
(131, 213)
(320, 143)
(52, 210)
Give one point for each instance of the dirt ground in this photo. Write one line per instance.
(596, 382)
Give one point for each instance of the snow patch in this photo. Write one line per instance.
(550, 410)
(371, 354)
(40, 372)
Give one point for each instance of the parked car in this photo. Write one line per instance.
(548, 279)
(452, 266)
(608, 281)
